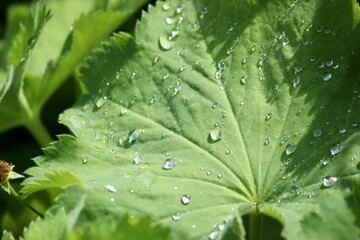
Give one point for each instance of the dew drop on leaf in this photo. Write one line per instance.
(290, 149)
(317, 133)
(326, 76)
(328, 181)
(214, 235)
(166, 6)
(268, 116)
(134, 135)
(169, 164)
(176, 217)
(110, 188)
(85, 160)
(185, 199)
(297, 69)
(325, 161)
(138, 159)
(165, 43)
(215, 135)
(329, 62)
(243, 79)
(335, 149)
(296, 81)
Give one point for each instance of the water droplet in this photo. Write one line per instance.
(215, 135)
(170, 20)
(243, 79)
(290, 149)
(296, 81)
(297, 69)
(215, 105)
(227, 152)
(221, 226)
(208, 172)
(138, 159)
(328, 181)
(219, 175)
(176, 217)
(326, 76)
(352, 158)
(165, 43)
(110, 188)
(244, 60)
(123, 111)
(267, 141)
(180, 8)
(325, 161)
(31, 41)
(166, 6)
(169, 164)
(253, 48)
(177, 88)
(218, 75)
(222, 66)
(214, 235)
(268, 116)
(185, 199)
(342, 131)
(112, 199)
(85, 160)
(135, 134)
(329, 62)
(152, 99)
(312, 58)
(317, 133)
(335, 149)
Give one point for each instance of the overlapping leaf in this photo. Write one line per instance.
(216, 110)
(61, 46)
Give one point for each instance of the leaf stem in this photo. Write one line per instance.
(20, 199)
(38, 130)
(256, 223)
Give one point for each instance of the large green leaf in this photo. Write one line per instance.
(216, 110)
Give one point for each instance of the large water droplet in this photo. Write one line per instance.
(110, 188)
(328, 181)
(214, 235)
(169, 164)
(215, 135)
(290, 149)
(326, 76)
(335, 149)
(165, 43)
(185, 199)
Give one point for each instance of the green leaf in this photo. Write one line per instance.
(127, 228)
(216, 110)
(333, 220)
(7, 236)
(52, 56)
